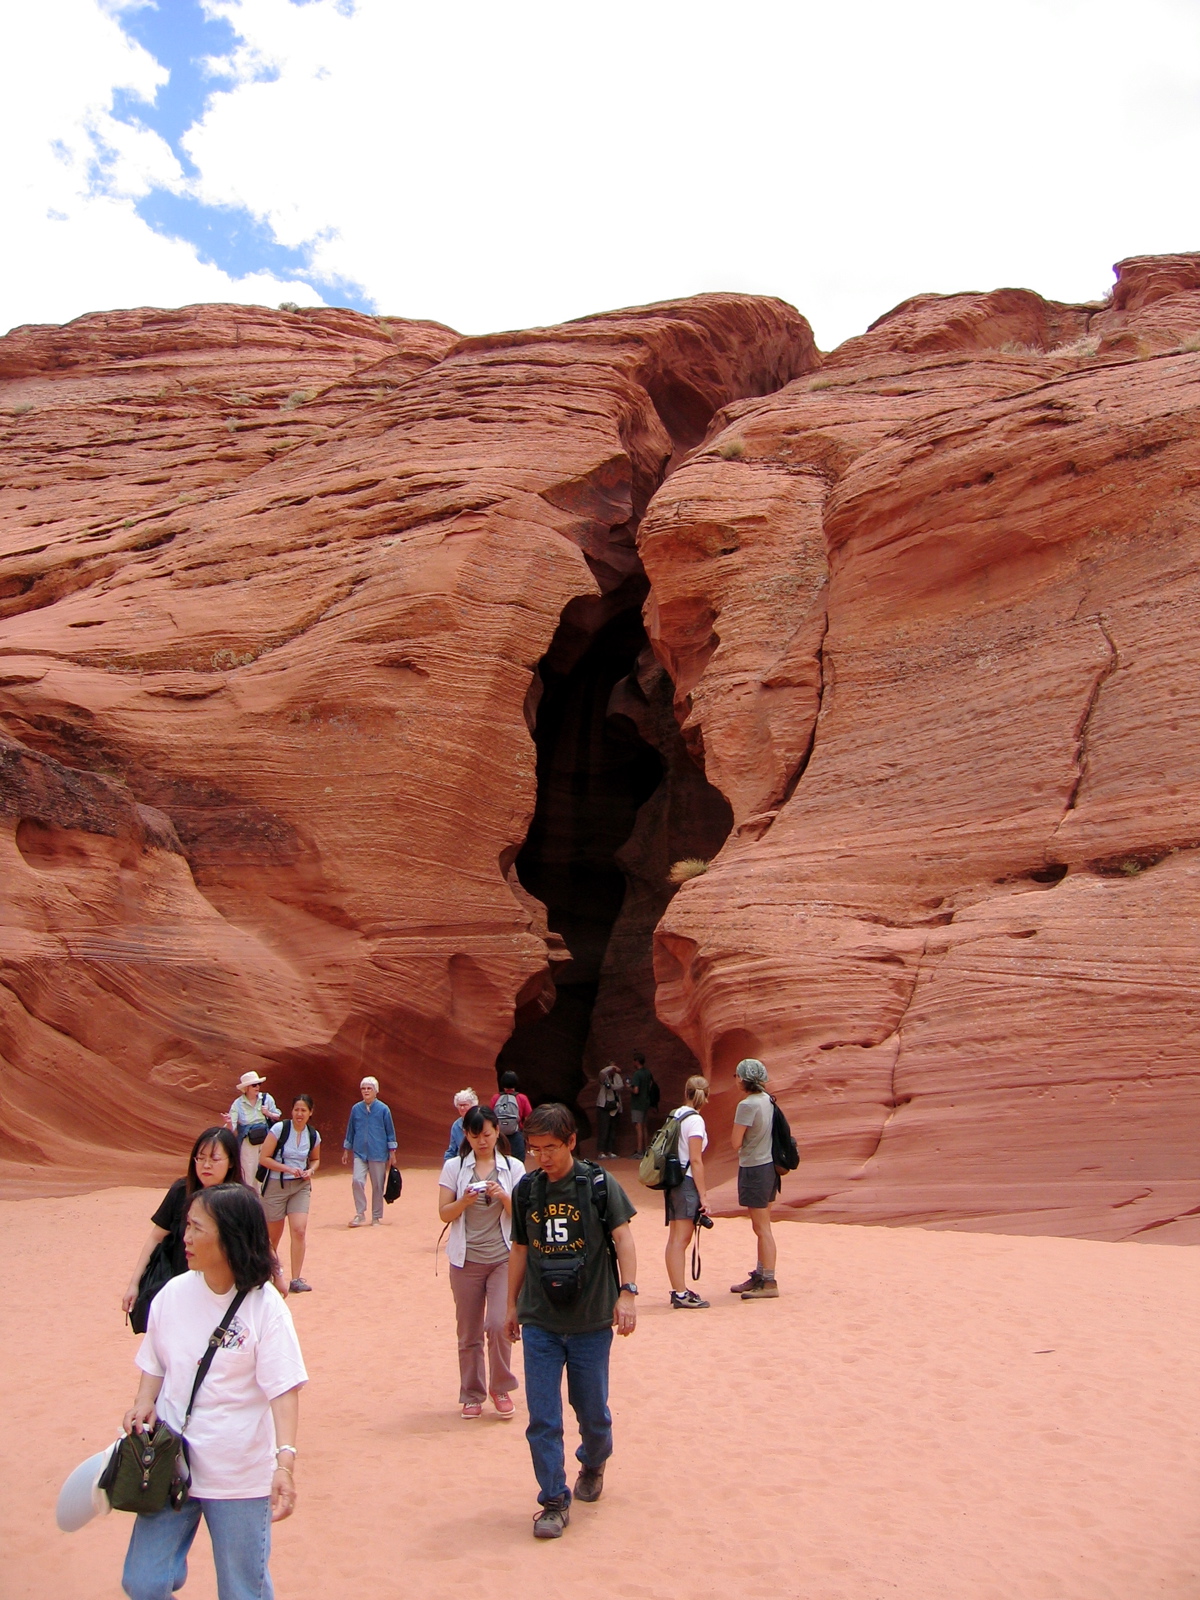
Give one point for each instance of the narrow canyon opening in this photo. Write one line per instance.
(618, 799)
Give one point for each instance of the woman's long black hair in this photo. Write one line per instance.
(225, 1141)
(242, 1229)
(473, 1122)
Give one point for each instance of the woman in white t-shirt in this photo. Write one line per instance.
(687, 1200)
(475, 1197)
(242, 1433)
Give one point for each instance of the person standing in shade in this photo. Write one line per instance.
(687, 1200)
(463, 1101)
(642, 1083)
(512, 1107)
(371, 1139)
(570, 1282)
(475, 1198)
(253, 1108)
(758, 1181)
(608, 1110)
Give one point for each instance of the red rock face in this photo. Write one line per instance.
(274, 589)
(931, 619)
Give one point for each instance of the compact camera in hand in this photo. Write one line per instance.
(481, 1189)
(703, 1220)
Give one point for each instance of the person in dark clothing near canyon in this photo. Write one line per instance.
(570, 1282)
(641, 1081)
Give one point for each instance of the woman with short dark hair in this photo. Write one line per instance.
(758, 1181)
(475, 1197)
(214, 1159)
(512, 1108)
(242, 1433)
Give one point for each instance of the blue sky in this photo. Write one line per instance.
(495, 165)
(197, 48)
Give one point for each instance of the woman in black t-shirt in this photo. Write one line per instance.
(214, 1159)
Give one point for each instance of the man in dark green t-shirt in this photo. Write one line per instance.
(570, 1282)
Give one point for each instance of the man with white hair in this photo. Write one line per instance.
(463, 1101)
(371, 1138)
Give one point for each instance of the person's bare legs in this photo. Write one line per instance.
(760, 1221)
(298, 1225)
(275, 1234)
(678, 1238)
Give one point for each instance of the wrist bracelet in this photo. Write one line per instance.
(281, 1447)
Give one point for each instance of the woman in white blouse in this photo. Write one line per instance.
(475, 1198)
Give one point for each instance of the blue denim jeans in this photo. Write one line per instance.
(585, 1356)
(240, 1530)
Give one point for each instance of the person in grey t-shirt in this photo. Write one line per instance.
(758, 1181)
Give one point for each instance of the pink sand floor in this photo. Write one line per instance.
(920, 1415)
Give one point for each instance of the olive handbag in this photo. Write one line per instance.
(149, 1471)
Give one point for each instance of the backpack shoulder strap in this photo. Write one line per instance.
(285, 1133)
(595, 1182)
(214, 1344)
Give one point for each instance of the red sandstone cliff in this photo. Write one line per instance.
(931, 617)
(275, 587)
(282, 597)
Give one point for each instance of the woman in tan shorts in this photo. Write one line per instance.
(291, 1155)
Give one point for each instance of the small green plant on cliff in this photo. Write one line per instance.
(1189, 347)
(690, 867)
(1014, 347)
(298, 397)
(820, 383)
(731, 450)
(23, 409)
(288, 305)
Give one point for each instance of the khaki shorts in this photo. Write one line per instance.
(285, 1199)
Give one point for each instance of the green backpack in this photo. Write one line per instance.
(660, 1167)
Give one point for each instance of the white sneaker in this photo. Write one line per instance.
(359, 1222)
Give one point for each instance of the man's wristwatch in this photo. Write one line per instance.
(629, 1288)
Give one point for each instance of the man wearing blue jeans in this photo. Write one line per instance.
(570, 1282)
(371, 1139)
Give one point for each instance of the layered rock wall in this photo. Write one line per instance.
(932, 618)
(275, 589)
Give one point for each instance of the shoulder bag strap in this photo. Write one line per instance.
(214, 1344)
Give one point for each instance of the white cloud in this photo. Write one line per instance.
(495, 166)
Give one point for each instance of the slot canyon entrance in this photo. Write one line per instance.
(618, 800)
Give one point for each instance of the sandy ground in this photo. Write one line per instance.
(920, 1415)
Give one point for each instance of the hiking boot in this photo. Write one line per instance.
(752, 1282)
(552, 1519)
(764, 1289)
(687, 1300)
(589, 1485)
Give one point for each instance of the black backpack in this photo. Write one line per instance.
(592, 1187)
(783, 1147)
(654, 1093)
(285, 1133)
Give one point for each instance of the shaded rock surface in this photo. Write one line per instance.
(274, 589)
(931, 617)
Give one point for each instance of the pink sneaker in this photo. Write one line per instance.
(504, 1406)
(472, 1409)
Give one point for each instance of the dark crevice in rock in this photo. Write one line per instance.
(618, 798)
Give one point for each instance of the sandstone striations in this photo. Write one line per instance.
(359, 685)
(931, 619)
(275, 590)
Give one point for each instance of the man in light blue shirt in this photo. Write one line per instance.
(371, 1137)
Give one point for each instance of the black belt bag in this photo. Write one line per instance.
(562, 1281)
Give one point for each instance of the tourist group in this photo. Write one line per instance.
(540, 1253)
